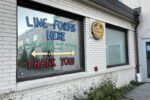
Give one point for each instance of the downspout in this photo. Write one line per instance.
(138, 77)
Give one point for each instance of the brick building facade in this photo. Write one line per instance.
(57, 87)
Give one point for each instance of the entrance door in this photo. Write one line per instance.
(148, 59)
(144, 53)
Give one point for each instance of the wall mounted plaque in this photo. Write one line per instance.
(97, 29)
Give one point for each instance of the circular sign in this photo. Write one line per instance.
(97, 29)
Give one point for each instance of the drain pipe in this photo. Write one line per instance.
(138, 76)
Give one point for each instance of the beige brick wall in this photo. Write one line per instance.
(55, 88)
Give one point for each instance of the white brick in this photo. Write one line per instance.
(9, 30)
(11, 1)
(14, 51)
(8, 79)
(1, 30)
(4, 75)
(13, 81)
(4, 50)
(7, 19)
(9, 23)
(4, 67)
(8, 35)
(12, 74)
(4, 83)
(8, 10)
(4, 42)
(7, 3)
(12, 66)
(13, 43)
(9, 62)
(9, 55)
(9, 47)
(9, 38)
(7, 15)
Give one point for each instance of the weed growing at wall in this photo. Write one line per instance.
(7, 96)
(11, 96)
(136, 83)
(107, 90)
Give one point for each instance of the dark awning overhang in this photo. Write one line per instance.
(118, 7)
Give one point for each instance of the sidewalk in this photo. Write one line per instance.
(140, 93)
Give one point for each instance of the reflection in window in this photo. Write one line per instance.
(34, 37)
(27, 40)
(20, 43)
(51, 44)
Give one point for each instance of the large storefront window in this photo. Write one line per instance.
(48, 44)
(116, 40)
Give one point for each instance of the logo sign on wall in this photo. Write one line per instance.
(97, 29)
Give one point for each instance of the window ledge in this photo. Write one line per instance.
(63, 78)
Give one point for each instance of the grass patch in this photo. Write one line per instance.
(136, 83)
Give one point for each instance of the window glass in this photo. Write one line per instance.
(116, 46)
(52, 44)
